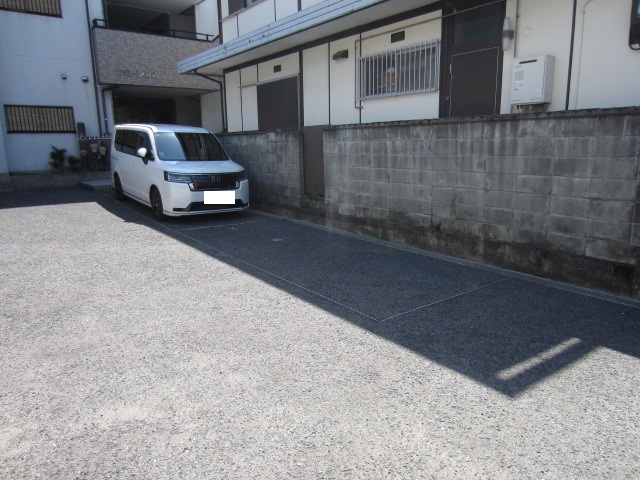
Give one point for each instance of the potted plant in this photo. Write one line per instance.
(58, 156)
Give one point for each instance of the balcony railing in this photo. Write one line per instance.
(167, 32)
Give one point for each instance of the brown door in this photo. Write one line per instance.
(278, 105)
(473, 55)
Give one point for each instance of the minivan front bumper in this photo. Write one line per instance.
(179, 199)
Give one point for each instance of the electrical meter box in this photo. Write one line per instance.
(532, 80)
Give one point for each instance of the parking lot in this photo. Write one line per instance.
(253, 346)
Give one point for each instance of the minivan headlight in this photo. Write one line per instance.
(177, 177)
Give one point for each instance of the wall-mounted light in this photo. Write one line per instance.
(85, 79)
(340, 55)
(507, 34)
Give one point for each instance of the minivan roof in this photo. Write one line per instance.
(161, 127)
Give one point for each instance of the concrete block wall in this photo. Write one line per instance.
(556, 195)
(273, 161)
(521, 191)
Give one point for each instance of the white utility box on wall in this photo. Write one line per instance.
(532, 80)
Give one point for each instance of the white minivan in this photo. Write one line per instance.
(176, 170)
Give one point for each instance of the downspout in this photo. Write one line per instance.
(220, 22)
(223, 97)
(573, 36)
(93, 66)
(104, 106)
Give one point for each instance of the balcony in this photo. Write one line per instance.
(147, 56)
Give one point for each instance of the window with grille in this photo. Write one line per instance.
(42, 7)
(405, 70)
(35, 119)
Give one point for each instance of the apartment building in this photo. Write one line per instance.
(505, 131)
(72, 69)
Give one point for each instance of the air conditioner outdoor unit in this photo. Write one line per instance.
(532, 80)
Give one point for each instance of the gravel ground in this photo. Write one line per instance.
(250, 346)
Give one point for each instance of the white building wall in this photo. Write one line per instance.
(234, 101)
(310, 3)
(538, 32)
(207, 17)
(211, 110)
(606, 71)
(249, 94)
(284, 8)
(342, 98)
(290, 66)
(258, 15)
(315, 65)
(35, 52)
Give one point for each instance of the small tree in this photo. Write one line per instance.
(58, 156)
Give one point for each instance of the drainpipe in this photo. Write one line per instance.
(222, 97)
(573, 36)
(104, 106)
(93, 65)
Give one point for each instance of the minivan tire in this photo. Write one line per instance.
(156, 204)
(117, 188)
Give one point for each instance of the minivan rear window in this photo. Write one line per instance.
(188, 146)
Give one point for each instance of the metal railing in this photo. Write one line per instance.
(40, 7)
(153, 30)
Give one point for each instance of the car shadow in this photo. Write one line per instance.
(507, 331)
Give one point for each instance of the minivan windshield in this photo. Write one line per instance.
(188, 146)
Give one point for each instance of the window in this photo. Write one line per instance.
(41, 7)
(34, 119)
(237, 5)
(189, 146)
(402, 71)
(129, 141)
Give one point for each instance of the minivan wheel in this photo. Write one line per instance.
(117, 187)
(156, 204)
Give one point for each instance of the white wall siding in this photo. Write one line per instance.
(539, 31)
(230, 28)
(290, 65)
(315, 66)
(310, 3)
(249, 108)
(284, 8)
(249, 92)
(258, 15)
(211, 108)
(207, 17)
(606, 71)
(342, 78)
(417, 30)
(234, 101)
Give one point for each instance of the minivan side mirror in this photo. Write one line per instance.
(145, 154)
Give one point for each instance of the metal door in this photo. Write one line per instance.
(473, 55)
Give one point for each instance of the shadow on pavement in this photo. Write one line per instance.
(504, 330)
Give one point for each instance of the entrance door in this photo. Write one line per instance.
(473, 56)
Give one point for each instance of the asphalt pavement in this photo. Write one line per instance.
(250, 346)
